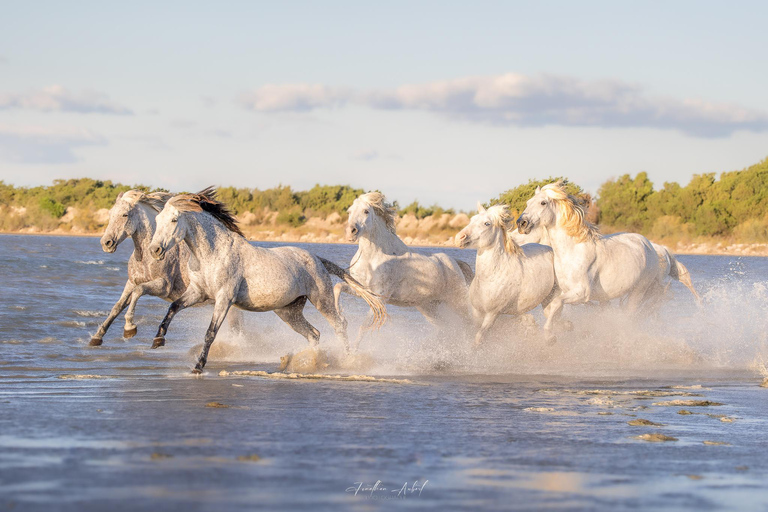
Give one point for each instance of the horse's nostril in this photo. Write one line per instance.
(109, 243)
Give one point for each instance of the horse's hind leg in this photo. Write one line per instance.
(326, 305)
(236, 319)
(220, 309)
(293, 315)
(157, 287)
(337, 291)
(119, 306)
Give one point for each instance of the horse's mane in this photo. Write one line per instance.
(501, 218)
(155, 200)
(205, 201)
(571, 213)
(386, 211)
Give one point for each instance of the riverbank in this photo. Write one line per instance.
(309, 233)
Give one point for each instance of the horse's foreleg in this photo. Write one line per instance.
(429, 310)
(119, 306)
(158, 287)
(488, 320)
(220, 309)
(552, 311)
(190, 297)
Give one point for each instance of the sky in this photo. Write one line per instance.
(444, 102)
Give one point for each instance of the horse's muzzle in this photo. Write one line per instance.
(157, 252)
(461, 240)
(524, 226)
(109, 245)
(352, 233)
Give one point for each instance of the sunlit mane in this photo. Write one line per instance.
(155, 200)
(571, 213)
(386, 211)
(500, 218)
(205, 201)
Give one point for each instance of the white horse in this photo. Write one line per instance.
(402, 277)
(133, 215)
(590, 266)
(227, 269)
(509, 279)
(669, 266)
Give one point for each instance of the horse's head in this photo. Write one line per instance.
(170, 230)
(539, 211)
(122, 220)
(487, 229)
(368, 210)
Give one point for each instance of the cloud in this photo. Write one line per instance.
(58, 99)
(294, 97)
(44, 145)
(522, 100)
(366, 155)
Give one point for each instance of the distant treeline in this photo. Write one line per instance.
(735, 205)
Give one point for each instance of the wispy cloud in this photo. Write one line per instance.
(58, 99)
(366, 155)
(294, 97)
(44, 145)
(522, 100)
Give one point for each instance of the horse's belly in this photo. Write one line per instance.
(261, 296)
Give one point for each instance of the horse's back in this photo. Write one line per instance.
(624, 261)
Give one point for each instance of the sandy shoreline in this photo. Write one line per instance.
(704, 249)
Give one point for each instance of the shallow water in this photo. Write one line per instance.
(517, 424)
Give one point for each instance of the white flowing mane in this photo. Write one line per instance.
(571, 212)
(155, 200)
(501, 218)
(386, 211)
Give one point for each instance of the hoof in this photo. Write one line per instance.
(197, 371)
(551, 340)
(158, 342)
(95, 342)
(129, 333)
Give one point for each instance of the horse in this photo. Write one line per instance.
(669, 266)
(590, 266)
(225, 268)
(402, 277)
(509, 279)
(133, 215)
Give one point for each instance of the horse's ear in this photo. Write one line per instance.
(538, 189)
(119, 196)
(480, 207)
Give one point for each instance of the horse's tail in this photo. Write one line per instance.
(466, 270)
(679, 272)
(377, 306)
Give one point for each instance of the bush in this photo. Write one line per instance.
(293, 217)
(53, 207)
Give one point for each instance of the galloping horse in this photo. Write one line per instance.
(669, 266)
(590, 266)
(402, 277)
(133, 215)
(225, 268)
(509, 279)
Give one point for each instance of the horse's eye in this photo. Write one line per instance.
(543, 203)
(174, 220)
(125, 215)
(365, 212)
(488, 224)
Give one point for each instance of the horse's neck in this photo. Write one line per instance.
(380, 240)
(491, 257)
(561, 242)
(145, 228)
(206, 237)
